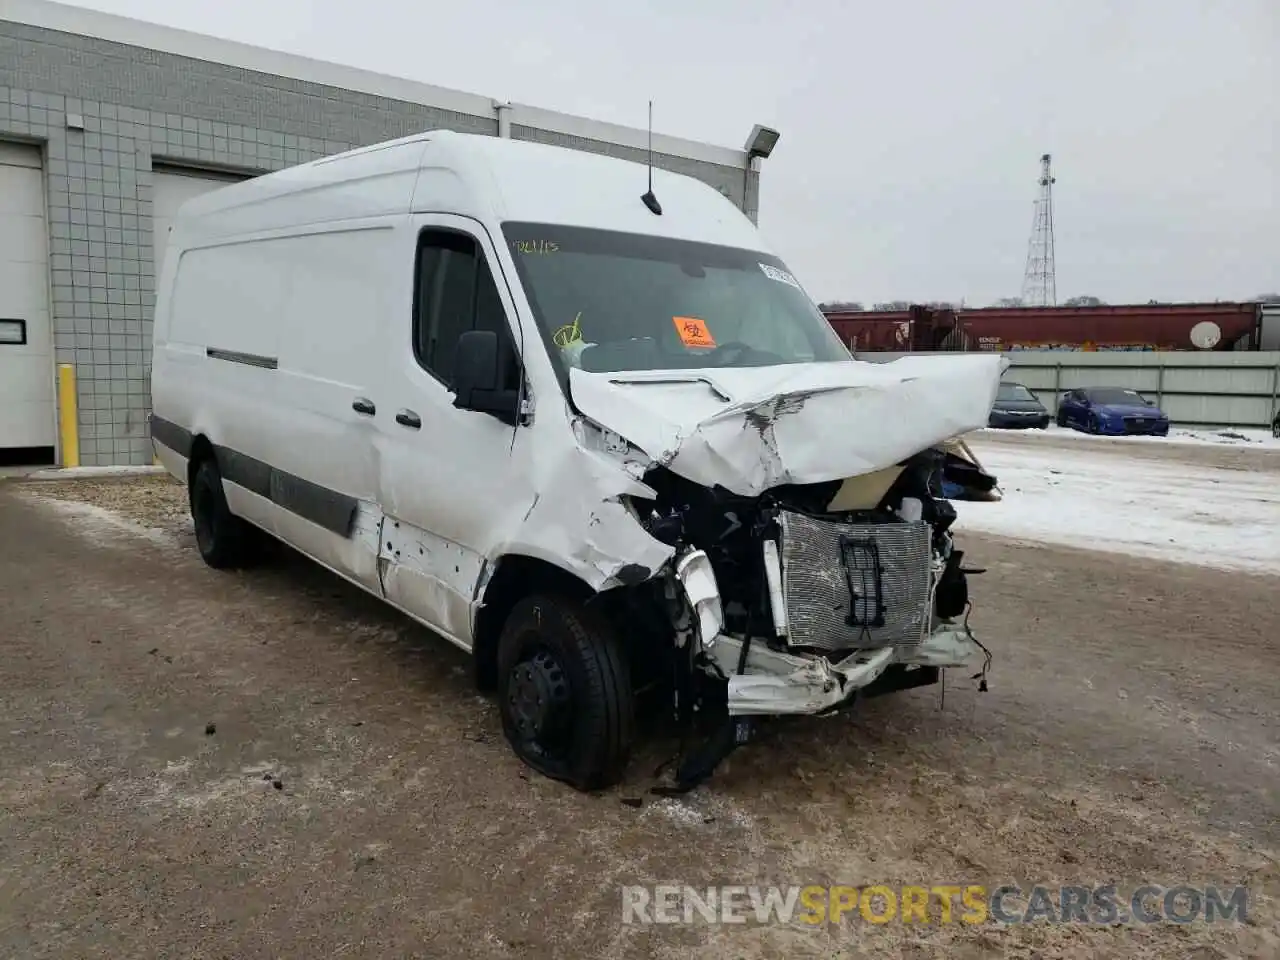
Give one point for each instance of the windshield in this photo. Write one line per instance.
(1114, 395)
(1014, 391)
(607, 301)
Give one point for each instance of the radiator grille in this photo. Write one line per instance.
(821, 559)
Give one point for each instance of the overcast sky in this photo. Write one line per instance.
(911, 132)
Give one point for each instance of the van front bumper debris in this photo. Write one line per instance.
(778, 683)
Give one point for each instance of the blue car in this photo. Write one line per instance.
(1112, 412)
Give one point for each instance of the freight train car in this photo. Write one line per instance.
(1173, 326)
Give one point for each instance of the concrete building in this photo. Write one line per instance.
(107, 124)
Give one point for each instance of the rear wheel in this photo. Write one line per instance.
(223, 539)
(564, 691)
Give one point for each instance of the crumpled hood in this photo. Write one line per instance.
(749, 429)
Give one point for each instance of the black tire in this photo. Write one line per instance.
(1094, 427)
(1061, 419)
(564, 692)
(223, 539)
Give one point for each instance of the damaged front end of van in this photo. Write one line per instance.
(809, 548)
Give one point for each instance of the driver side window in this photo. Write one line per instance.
(454, 291)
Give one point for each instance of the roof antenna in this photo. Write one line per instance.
(650, 200)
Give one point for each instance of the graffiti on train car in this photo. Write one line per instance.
(997, 344)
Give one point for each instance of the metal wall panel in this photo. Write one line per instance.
(1230, 389)
(110, 110)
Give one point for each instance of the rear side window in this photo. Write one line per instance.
(454, 293)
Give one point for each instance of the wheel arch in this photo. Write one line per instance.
(201, 450)
(514, 577)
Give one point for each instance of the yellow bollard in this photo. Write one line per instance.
(68, 416)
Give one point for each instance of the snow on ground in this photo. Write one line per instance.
(1231, 436)
(1178, 436)
(105, 527)
(92, 473)
(1166, 509)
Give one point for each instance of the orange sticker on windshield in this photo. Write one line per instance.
(693, 332)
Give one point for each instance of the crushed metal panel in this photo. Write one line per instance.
(750, 429)
(578, 521)
(432, 576)
(949, 645)
(777, 683)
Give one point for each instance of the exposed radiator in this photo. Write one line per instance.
(848, 585)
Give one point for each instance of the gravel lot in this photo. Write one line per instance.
(149, 706)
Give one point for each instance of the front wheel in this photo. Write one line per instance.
(564, 692)
(1094, 426)
(1062, 418)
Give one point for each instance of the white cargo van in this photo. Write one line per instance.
(604, 444)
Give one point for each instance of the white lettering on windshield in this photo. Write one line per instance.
(774, 273)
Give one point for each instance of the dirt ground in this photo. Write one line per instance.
(271, 764)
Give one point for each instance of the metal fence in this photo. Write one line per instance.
(1219, 389)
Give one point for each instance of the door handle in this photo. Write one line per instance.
(407, 418)
(361, 405)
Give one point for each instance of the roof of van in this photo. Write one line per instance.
(482, 177)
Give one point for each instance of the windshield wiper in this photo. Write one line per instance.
(669, 378)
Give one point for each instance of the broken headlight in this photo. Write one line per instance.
(698, 580)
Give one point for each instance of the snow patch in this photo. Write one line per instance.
(699, 809)
(1228, 436)
(1178, 436)
(94, 473)
(1167, 510)
(101, 525)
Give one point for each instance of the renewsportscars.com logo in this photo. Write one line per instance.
(942, 904)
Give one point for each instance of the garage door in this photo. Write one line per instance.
(172, 187)
(27, 418)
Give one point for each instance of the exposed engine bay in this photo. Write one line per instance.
(800, 599)
(806, 565)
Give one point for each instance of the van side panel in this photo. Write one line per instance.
(331, 354)
(220, 359)
(374, 181)
(223, 295)
(272, 342)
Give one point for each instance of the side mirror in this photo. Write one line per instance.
(1151, 403)
(477, 377)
